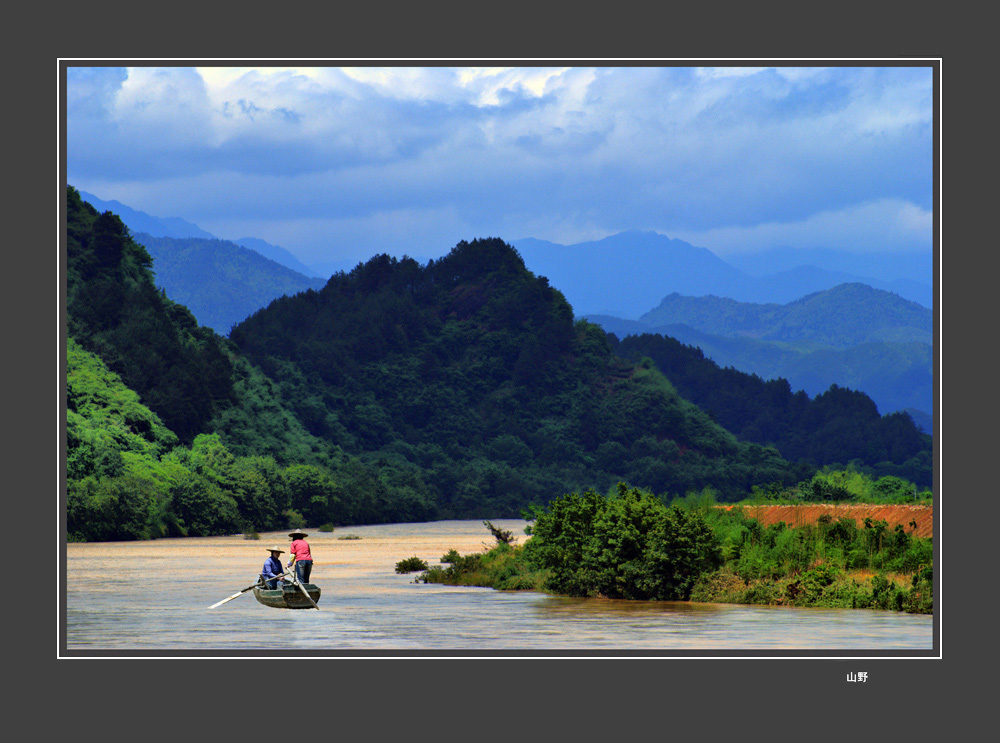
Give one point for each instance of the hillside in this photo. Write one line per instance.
(470, 376)
(222, 283)
(838, 425)
(114, 310)
(139, 221)
(853, 336)
(463, 388)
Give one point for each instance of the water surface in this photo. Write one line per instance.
(131, 597)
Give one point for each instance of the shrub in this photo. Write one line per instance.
(630, 546)
(410, 565)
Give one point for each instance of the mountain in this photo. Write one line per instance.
(471, 378)
(625, 274)
(887, 267)
(843, 316)
(114, 310)
(221, 282)
(852, 335)
(396, 392)
(175, 227)
(279, 255)
(138, 221)
(838, 424)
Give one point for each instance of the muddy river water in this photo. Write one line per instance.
(133, 597)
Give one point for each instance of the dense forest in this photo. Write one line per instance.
(835, 428)
(471, 381)
(463, 388)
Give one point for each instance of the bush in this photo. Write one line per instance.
(410, 565)
(630, 546)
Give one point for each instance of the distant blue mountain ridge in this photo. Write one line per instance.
(176, 227)
(138, 221)
(626, 274)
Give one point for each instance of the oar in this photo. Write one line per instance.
(240, 593)
(304, 591)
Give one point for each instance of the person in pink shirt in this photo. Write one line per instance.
(301, 556)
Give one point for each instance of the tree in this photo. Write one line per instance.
(628, 546)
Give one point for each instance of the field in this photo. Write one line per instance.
(892, 514)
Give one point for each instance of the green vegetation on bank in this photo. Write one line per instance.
(129, 477)
(849, 485)
(631, 545)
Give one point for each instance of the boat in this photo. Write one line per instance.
(290, 596)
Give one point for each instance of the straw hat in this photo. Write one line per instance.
(298, 533)
(275, 548)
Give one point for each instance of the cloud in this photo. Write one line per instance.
(886, 225)
(551, 152)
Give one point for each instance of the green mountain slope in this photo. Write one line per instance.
(114, 310)
(470, 378)
(461, 388)
(836, 426)
(222, 283)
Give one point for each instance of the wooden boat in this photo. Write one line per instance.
(290, 596)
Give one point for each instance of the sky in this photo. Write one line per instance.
(341, 163)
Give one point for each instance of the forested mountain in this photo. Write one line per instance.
(222, 283)
(114, 310)
(839, 425)
(852, 335)
(279, 255)
(462, 388)
(471, 377)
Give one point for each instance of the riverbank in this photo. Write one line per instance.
(838, 557)
(822, 586)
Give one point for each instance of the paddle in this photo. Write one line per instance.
(248, 588)
(304, 591)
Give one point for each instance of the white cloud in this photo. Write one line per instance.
(738, 155)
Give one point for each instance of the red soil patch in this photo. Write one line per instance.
(802, 515)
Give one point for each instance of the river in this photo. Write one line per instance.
(152, 598)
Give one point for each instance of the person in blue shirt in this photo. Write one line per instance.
(272, 568)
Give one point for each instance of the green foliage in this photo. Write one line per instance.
(398, 392)
(503, 536)
(834, 428)
(629, 546)
(410, 565)
(816, 565)
(110, 509)
(504, 567)
(469, 388)
(181, 371)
